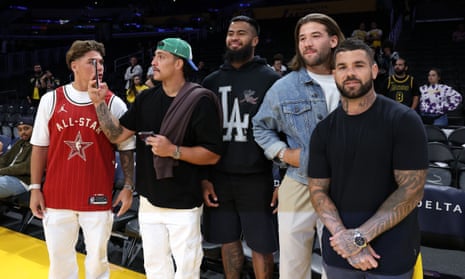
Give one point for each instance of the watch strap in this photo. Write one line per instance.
(129, 187)
(177, 153)
(281, 154)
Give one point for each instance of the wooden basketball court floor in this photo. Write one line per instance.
(25, 257)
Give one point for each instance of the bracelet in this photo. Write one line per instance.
(34, 187)
(276, 183)
(281, 154)
(129, 187)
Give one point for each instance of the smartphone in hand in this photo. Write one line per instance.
(143, 135)
(95, 63)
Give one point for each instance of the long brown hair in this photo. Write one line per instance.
(332, 28)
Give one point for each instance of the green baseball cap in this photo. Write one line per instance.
(179, 48)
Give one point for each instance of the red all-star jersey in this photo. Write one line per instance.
(81, 160)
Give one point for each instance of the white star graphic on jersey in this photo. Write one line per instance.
(77, 147)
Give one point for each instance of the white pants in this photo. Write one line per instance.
(170, 233)
(61, 228)
(297, 221)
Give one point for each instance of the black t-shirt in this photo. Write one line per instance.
(360, 153)
(183, 191)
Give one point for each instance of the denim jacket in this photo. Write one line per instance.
(291, 107)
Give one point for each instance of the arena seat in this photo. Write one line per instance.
(6, 141)
(441, 217)
(441, 164)
(435, 134)
(442, 220)
(20, 204)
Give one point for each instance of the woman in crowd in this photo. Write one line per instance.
(437, 99)
(136, 87)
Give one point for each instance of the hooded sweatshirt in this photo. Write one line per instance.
(241, 91)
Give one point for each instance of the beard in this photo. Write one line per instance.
(399, 72)
(240, 55)
(354, 94)
(319, 58)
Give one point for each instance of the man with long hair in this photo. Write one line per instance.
(292, 107)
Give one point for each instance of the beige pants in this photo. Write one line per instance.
(297, 221)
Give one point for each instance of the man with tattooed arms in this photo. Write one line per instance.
(367, 169)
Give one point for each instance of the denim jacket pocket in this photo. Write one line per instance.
(298, 114)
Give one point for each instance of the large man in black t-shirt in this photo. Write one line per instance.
(367, 170)
(179, 129)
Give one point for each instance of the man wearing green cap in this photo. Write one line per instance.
(179, 124)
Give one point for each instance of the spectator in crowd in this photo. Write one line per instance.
(437, 99)
(149, 81)
(136, 87)
(401, 86)
(293, 106)
(184, 121)
(240, 187)
(68, 142)
(134, 69)
(366, 227)
(374, 36)
(386, 59)
(277, 64)
(15, 164)
(360, 33)
(459, 34)
(149, 72)
(36, 90)
(49, 81)
(201, 73)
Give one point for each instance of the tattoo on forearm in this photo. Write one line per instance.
(107, 123)
(324, 206)
(127, 165)
(400, 203)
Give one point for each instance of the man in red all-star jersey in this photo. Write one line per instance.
(80, 165)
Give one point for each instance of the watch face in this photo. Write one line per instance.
(360, 241)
